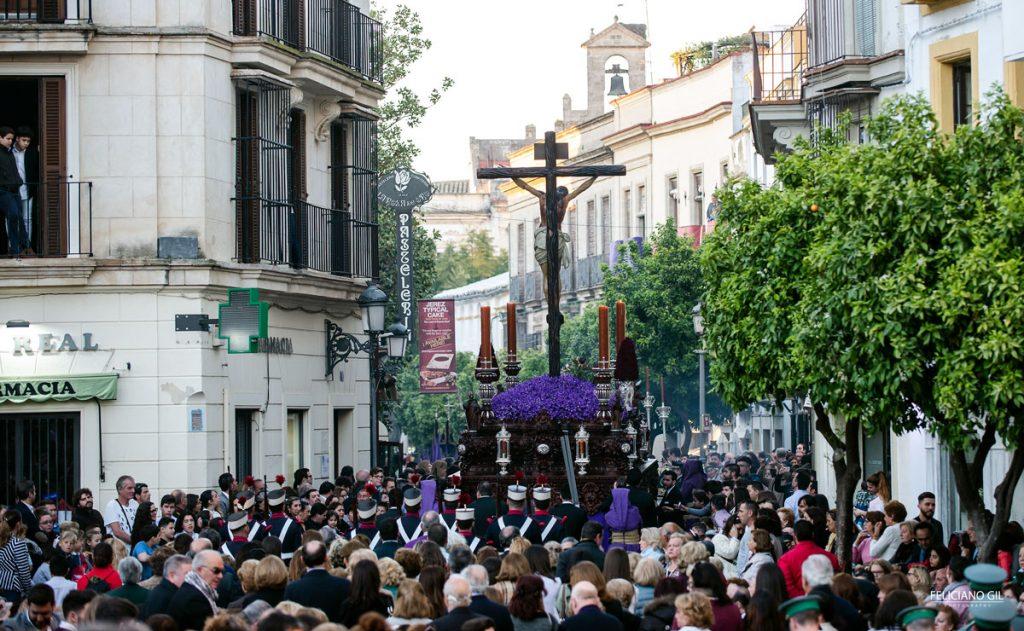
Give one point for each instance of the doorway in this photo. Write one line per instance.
(38, 105)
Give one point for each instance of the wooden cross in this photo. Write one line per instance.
(551, 152)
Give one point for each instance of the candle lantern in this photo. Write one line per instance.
(663, 411)
(645, 425)
(582, 450)
(631, 435)
(504, 438)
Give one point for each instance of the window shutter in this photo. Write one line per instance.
(245, 17)
(864, 20)
(298, 186)
(341, 215)
(247, 185)
(53, 158)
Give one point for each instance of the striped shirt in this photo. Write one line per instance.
(15, 567)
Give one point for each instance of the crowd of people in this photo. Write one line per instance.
(716, 543)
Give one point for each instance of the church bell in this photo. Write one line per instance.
(618, 86)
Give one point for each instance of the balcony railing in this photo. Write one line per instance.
(61, 223)
(334, 29)
(581, 274)
(46, 11)
(305, 236)
(780, 59)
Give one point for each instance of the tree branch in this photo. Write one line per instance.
(824, 427)
(988, 439)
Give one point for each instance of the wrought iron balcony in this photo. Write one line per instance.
(61, 224)
(46, 11)
(780, 59)
(334, 29)
(305, 236)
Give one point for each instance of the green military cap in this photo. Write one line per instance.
(993, 615)
(799, 604)
(985, 577)
(913, 614)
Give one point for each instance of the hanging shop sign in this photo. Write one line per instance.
(437, 347)
(402, 190)
(58, 388)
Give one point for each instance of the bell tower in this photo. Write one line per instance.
(627, 44)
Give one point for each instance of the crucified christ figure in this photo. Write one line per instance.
(540, 248)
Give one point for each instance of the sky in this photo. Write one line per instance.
(513, 60)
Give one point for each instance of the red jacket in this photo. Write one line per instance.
(107, 574)
(792, 562)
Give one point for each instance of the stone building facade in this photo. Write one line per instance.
(187, 147)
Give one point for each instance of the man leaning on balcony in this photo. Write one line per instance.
(10, 198)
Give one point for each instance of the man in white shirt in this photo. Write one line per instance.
(803, 480)
(119, 515)
(28, 167)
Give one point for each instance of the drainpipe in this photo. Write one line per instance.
(99, 432)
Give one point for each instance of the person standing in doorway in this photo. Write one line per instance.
(10, 185)
(27, 159)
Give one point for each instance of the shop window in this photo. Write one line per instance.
(295, 441)
(343, 451)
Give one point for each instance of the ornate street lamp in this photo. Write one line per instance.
(339, 345)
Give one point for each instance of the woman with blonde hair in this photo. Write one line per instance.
(391, 575)
(650, 544)
(920, 582)
(519, 545)
(411, 606)
(270, 577)
(693, 612)
(513, 566)
(692, 553)
(673, 549)
(645, 578)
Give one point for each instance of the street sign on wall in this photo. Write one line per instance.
(402, 190)
(437, 347)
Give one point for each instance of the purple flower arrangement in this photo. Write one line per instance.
(564, 398)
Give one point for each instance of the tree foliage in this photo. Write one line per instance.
(402, 45)
(882, 279)
(416, 413)
(474, 259)
(660, 290)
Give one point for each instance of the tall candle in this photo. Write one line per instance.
(663, 391)
(511, 311)
(647, 378)
(602, 330)
(620, 323)
(485, 333)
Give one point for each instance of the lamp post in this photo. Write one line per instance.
(340, 345)
(698, 328)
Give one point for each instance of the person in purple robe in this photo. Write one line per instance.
(623, 522)
(692, 478)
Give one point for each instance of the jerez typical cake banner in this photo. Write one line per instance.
(437, 346)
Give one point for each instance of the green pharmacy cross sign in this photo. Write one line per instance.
(242, 321)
